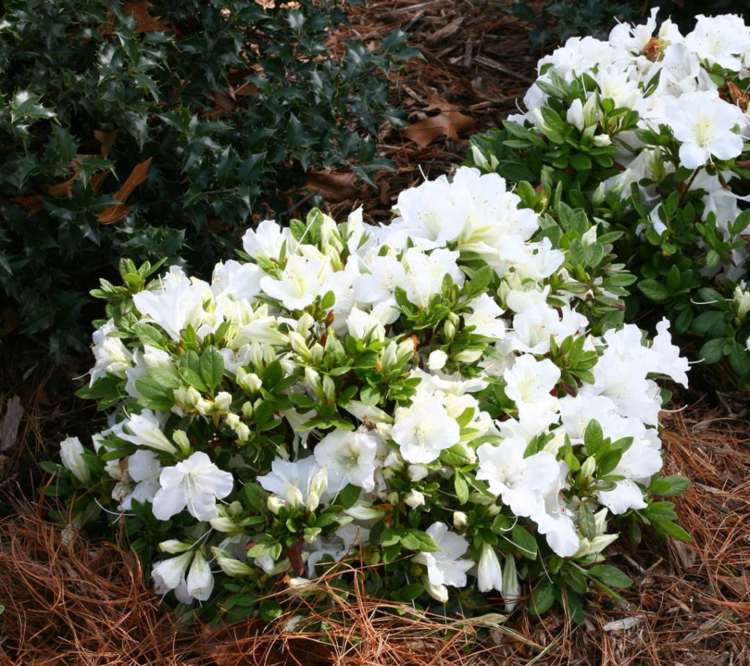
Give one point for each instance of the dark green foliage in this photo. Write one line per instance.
(560, 19)
(231, 101)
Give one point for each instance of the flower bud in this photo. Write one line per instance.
(742, 300)
(589, 467)
(414, 499)
(312, 379)
(274, 504)
(222, 401)
(460, 520)
(329, 389)
(449, 330)
(187, 398)
(437, 360)
(71, 455)
(299, 345)
(222, 524)
(180, 438)
(229, 565)
(489, 573)
(469, 355)
(437, 592)
(318, 486)
(304, 323)
(478, 158)
(174, 546)
(247, 409)
(511, 587)
(248, 381)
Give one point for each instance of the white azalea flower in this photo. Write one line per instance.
(195, 484)
(486, 317)
(293, 482)
(348, 457)
(626, 495)
(445, 566)
(200, 580)
(266, 240)
(520, 482)
(529, 383)
(301, 281)
(143, 469)
(240, 281)
(168, 573)
(144, 429)
(177, 303)
(424, 429)
(705, 125)
(111, 355)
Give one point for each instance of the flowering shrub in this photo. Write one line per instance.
(648, 131)
(424, 396)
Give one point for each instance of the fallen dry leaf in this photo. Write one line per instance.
(335, 186)
(447, 123)
(144, 21)
(10, 422)
(118, 211)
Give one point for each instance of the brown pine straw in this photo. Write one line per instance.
(70, 601)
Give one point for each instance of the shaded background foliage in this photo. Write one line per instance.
(155, 129)
(556, 20)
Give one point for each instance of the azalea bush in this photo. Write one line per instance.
(425, 398)
(150, 129)
(648, 131)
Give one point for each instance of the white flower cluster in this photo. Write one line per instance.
(419, 389)
(672, 80)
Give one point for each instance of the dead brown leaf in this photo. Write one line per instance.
(447, 123)
(64, 189)
(144, 21)
(333, 185)
(106, 139)
(739, 98)
(118, 211)
(32, 204)
(10, 422)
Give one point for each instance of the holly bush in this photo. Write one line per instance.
(149, 129)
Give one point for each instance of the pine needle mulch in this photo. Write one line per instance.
(70, 601)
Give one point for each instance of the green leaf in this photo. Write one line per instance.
(610, 576)
(524, 541)
(461, 488)
(349, 496)
(542, 597)
(211, 368)
(419, 541)
(669, 486)
(654, 290)
(712, 351)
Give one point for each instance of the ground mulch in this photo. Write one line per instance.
(70, 601)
